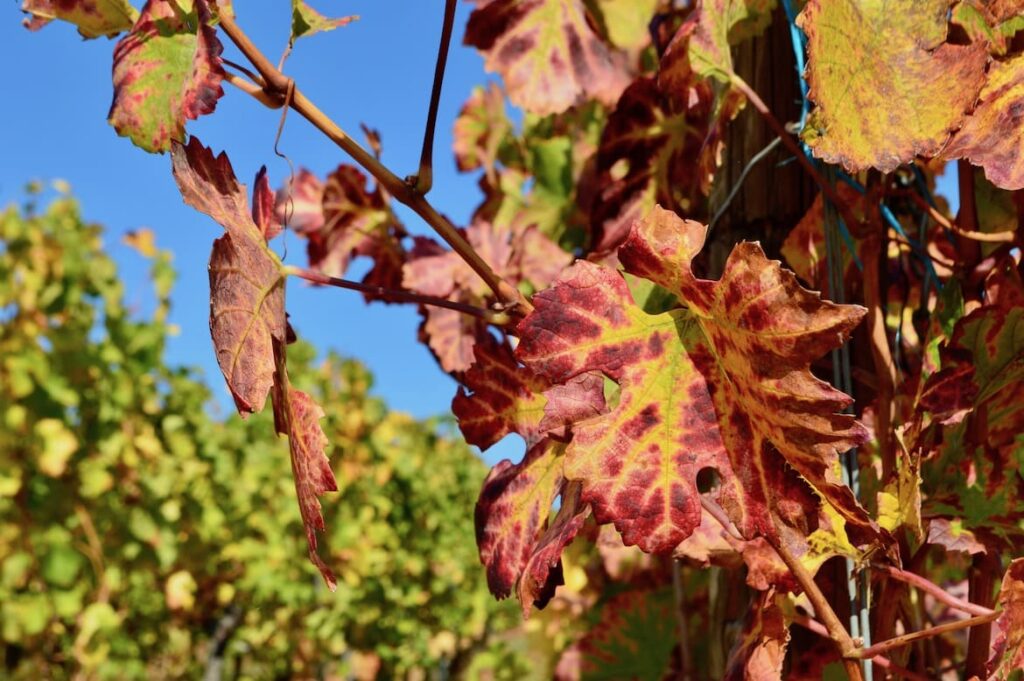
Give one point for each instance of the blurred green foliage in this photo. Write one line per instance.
(142, 538)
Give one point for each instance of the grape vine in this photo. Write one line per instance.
(849, 461)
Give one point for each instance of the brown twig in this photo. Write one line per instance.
(491, 316)
(277, 86)
(935, 590)
(988, 237)
(900, 641)
(424, 178)
(885, 663)
(252, 90)
(848, 651)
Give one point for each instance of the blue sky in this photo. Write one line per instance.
(377, 70)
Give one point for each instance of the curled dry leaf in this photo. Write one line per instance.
(246, 281)
(167, 70)
(1008, 647)
(723, 384)
(298, 416)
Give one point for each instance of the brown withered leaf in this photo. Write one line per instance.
(760, 649)
(298, 416)
(1008, 648)
(246, 280)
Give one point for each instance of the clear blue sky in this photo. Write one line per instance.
(377, 70)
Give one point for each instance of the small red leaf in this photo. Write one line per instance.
(299, 415)
(513, 506)
(542, 573)
(263, 206)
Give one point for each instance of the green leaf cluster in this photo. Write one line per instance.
(140, 537)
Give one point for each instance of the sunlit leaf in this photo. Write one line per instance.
(93, 18)
(991, 136)
(873, 70)
(547, 53)
(721, 384)
(512, 510)
(167, 71)
(307, 21)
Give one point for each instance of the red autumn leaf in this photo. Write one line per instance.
(657, 149)
(513, 507)
(298, 416)
(804, 247)
(167, 70)
(723, 384)
(263, 206)
(246, 282)
(990, 136)
(547, 53)
(1008, 648)
(760, 649)
(300, 203)
(481, 129)
(542, 573)
(502, 397)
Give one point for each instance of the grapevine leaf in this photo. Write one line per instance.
(547, 53)
(300, 203)
(93, 18)
(450, 336)
(542, 573)
(299, 417)
(263, 206)
(760, 649)
(991, 136)
(1008, 649)
(951, 535)
(633, 639)
(307, 21)
(720, 24)
(503, 397)
(994, 23)
(578, 399)
(167, 70)
(628, 21)
(246, 316)
(356, 222)
(513, 506)
(872, 70)
(481, 129)
(723, 384)
(246, 282)
(657, 149)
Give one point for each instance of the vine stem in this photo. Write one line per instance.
(424, 178)
(278, 84)
(491, 316)
(848, 650)
(935, 590)
(885, 663)
(903, 640)
(989, 237)
(787, 139)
